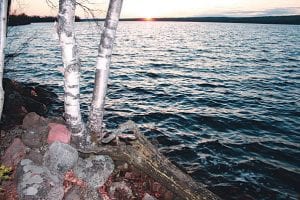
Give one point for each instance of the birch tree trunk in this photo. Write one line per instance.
(3, 25)
(70, 57)
(95, 122)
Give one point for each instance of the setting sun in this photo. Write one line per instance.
(148, 19)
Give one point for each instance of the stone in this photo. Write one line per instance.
(156, 187)
(79, 193)
(37, 182)
(14, 153)
(168, 195)
(58, 132)
(148, 197)
(90, 193)
(35, 156)
(33, 121)
(36, 130)
(60, 157)
(119, 190)
(73, 194)
(94, 170)
(33, 139)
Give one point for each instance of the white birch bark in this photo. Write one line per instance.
(102, 67)
(70, 57)
(3, 25)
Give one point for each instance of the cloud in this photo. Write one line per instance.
(253, 13)
(282, 11)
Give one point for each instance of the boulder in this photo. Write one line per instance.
(36, 130)
(36, 182)
(21, 98)
(60, 157)
(14, 153)
(78, 193)
(58, 132)
(94, 170)
(34, 122)
(148, 197)
(119, 190)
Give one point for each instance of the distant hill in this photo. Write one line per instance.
(291, 19)
(23, 19)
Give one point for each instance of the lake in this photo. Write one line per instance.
(222, 100)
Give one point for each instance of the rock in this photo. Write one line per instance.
(36, 182)
(119, 190)
(58, 132)
(34, 106)
(73, 194)
(168, 195)
(60, 157)
(156, 187)
(78, 193)
(36, 130)
(90, 193)
(94, 170)
(14, 153)
(33, 122)
(21, 98)
(35, 156)
(148, 197)
(33, 139)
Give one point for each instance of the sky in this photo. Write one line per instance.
(171, 8)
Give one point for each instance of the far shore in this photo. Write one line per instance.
(291, 19)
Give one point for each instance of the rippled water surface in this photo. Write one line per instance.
(221, 99)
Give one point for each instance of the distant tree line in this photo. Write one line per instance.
(23, 19)
(291, 19)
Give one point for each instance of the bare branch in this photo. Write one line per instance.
(19, 50)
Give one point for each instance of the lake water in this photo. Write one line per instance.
(222, 100)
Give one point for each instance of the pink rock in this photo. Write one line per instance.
(58, 132)
(14, 153)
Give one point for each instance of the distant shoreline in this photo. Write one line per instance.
(291, 19)
(16, 20)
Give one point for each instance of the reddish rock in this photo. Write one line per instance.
(168, 195)
(148, 197)
(156, 187)
(9, 191)
(58, 132)
(14, 153)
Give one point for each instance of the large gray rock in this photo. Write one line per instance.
(60, 157)
(37, 183)
(94, 170)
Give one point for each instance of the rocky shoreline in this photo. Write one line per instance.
(45, 164)
(32, 146)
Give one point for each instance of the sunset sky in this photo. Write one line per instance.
(174, 8)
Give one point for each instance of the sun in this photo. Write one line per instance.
(148, 19)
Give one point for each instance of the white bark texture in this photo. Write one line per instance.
(70, 57)
(3, 24)
(95, 122)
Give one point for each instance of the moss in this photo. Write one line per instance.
(5, 173)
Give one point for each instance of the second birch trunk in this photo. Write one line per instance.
(95, 122)
(66, 33)
(3, 26)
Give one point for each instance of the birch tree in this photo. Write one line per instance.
(95, 122)
(3, 26)
(70, 57)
